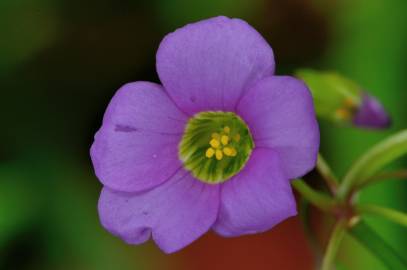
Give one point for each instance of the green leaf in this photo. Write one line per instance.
(382, 176)
(373, 160)
(378, 247)
(390, 214)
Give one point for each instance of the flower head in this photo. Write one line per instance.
(214, 147)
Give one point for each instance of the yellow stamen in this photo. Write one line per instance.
(237, 137)
(226, 129)
(210, 152)
(342, 114)
(224, 139)
(233, 152)
(214, 143)
(218, 154)
(227, 151)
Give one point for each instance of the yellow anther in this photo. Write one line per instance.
(214, 143)
(224, 139)
(233, 152)
(342, 114)
(237, 137)
(226, 129)
(215, 135)
(210, 152)
(230, 151)
(227, 151)
(218, 154)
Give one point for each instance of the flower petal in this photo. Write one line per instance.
(144, 106)
(280, 114)
(209, 64)
(256, 199)
(137, 145)
(176, 213)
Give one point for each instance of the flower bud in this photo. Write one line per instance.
(341, 100)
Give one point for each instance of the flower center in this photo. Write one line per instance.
(215, 146)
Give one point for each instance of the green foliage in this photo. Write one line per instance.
(342, 205)
(373, 160)
(19, 203)
(378, 246)
(333, 245)
(68, 232)
(319, 199)
(390, 214)
(368, 44)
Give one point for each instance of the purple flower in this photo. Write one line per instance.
(214, 147)
(371, 114)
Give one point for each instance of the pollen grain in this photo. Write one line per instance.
(210, 152)
(224, 139)
(218, 154)
(222, 144)
(214, 143)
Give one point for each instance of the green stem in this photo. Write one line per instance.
(304, 213)
(327, 175)
(390, 214)
(320, 200)
(400, 175)
(333, 245)
(373, 160)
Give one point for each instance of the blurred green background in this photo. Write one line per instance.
(62, 60)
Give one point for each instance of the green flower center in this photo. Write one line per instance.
(215, 146)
